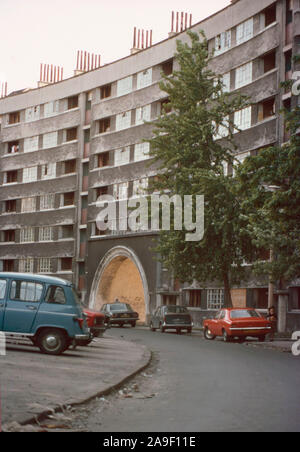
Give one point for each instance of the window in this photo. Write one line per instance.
(72, 102)
(26, 291)
(195, 298)
(102, 160)
(70, 166)
(14, 118)
(28, 205)
(31, 144)
(50, 140)
(44, 265)
(13, 147)
(121, 191)
(123, 121)
(105, 92)
(101, 191)
(124, 86)
(66, 264)
(141, 151)
(223, 42)
(51, 109)
(269, 61)
(2, 288)
(11, 177)
(243, 75)
(244, 31)
(167, 67)
(295, 298)
(55, 294)
(221, 130)
(270, 15)
(30, 174)
(27, 235)
(32, 114)
(144, 78)
(215, 299)
(10, 206)
(47, 202)
(143, 114)
(266, 109)
(66, 232)
(242, 119)
(104, 125)
(71, 134)
(122, 156)
(165, 106)
(8, 236)
(26, 265)
(68, 199)
(46, 234)
(140, 187)
(48, 171)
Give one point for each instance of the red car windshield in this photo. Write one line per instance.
(244, 314)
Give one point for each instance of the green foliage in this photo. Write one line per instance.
(270, 186)
(191, 160)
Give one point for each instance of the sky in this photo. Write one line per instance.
(52, 31)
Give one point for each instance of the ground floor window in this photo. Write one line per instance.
(195, 298)
(215, 299)
(169, 300)
(295, 298)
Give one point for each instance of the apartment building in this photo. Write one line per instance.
(64, 144)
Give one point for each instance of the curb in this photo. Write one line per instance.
(146, 360)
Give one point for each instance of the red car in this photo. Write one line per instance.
(96, 322)
(237, 322)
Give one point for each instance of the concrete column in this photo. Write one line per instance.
(283, 298)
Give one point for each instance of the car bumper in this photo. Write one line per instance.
(123, 320)
(248, 331)
(82, 337)
(177, 325)
(97, 331)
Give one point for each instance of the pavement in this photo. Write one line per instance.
(34, 385)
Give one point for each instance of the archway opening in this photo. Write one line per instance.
(121, 280)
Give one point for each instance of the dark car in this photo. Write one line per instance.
(120, 314)
(171, 318)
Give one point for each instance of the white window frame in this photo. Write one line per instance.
(48, 171)
(223, 42)
(245, 31)
(244, 75)
(51, 108)
(28, 205)
(30, 174)
(222, 130)
(144, 78)
(32, 113)
(122, 156)
(31, 144)
(27, 235)
(123, 120)
(125, 86)
(140, 187)
(50, 140)
(143, 114)
(44, 265)
(47, 202)
(26, 265)
(242, 119)
(46, 234)
(215, 299)
(141, 151)
(120, 191)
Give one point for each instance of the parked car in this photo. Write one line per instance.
(43, 309)
(120, 314)
(171, 318)
(237, 322)
(96, 321)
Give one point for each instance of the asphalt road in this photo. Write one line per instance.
(199, 386)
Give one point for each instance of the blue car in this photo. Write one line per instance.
(43, 309)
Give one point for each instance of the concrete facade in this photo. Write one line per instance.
(65, 140)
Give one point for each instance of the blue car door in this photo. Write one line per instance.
(22, 305)
(3, 287)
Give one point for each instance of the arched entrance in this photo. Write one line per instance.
(120, 275)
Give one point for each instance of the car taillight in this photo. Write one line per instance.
(80, 321)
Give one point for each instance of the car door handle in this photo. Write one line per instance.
(31, 308)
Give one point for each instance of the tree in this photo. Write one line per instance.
(270, 186)
(191, 162)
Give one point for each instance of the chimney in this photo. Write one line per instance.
(180, 22)
(142, 39)
(3, 89)
(50, 74)
(86, 61)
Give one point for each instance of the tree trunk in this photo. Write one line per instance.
(227, 292)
